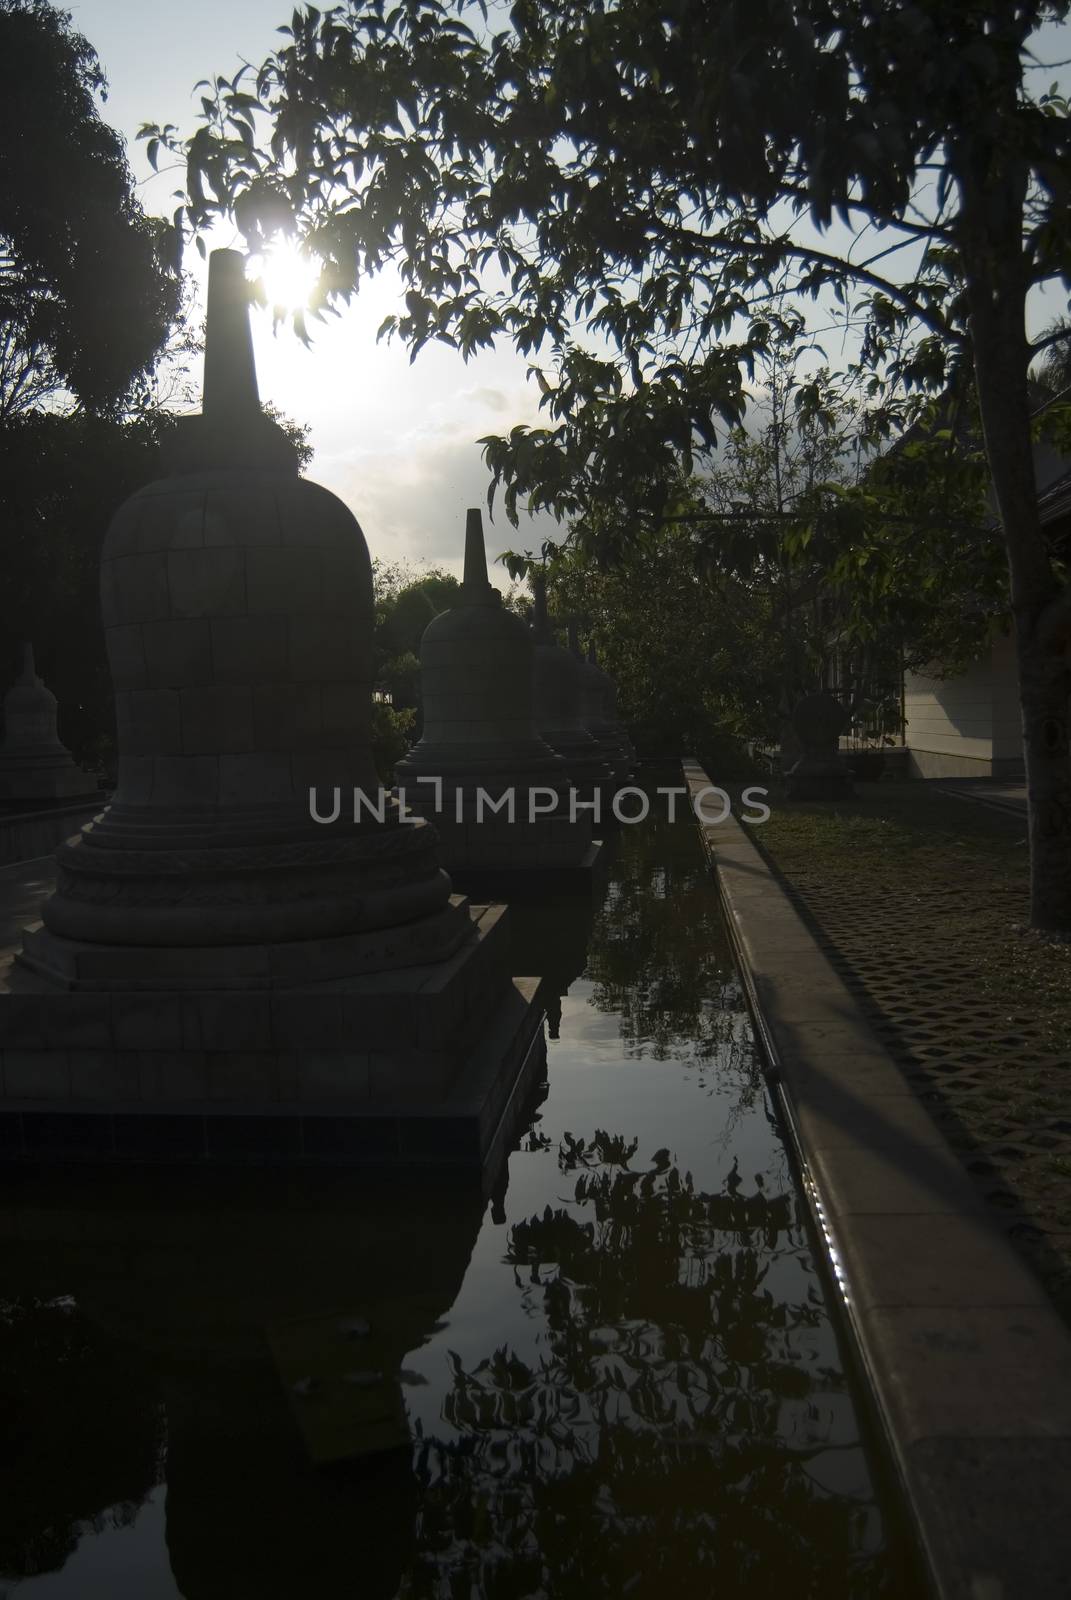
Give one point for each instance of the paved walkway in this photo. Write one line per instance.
(920, 903)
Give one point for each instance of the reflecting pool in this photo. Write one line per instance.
(611, 1369)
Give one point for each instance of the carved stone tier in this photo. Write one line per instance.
(558, 711)
(34, 765)
(480, 735)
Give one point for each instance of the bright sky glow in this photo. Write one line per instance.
(287, 275)
(397, 442)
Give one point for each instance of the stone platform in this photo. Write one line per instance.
(414, 1066)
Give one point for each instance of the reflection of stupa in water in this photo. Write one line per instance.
(277, 1311)
(550, 940)
(82, 1432)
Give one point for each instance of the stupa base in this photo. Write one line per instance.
(87, 967)
(413, 1067)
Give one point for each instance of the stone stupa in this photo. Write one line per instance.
(592, 702)
(34, 766)
(559, 708)
(611, 719)
(240, 949)
(820, 772)
(479, 735)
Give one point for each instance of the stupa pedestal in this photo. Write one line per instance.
(559, 713)
(498, 795)
(221, 948)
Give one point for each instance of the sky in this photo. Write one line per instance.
(396, 442)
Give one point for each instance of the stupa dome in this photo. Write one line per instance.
(238, 613)
(476, 684)
(480, 735)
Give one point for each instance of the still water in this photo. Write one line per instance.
(616, 1374)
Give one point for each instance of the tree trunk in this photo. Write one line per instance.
(992, 188)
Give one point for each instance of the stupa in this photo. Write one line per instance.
(497, 793)
(611, 717)
(258, 925)
(592, 699)
(34, 765)
(558, 708)
(820, 773)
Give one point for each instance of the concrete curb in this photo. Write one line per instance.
(968, 1364)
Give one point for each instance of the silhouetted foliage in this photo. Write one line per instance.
(89, 285)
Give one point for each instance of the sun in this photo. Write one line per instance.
(286, 274)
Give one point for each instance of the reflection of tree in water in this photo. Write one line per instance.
(82, 1429)
(672, 1435)
(657, 953)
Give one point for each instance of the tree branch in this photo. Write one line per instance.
(837, 264)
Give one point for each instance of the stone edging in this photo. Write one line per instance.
(969, 1365)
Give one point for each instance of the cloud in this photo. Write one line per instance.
(413, 507)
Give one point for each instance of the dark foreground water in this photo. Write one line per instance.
(618, 1371)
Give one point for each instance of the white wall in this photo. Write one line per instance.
(960, 726)
(951, 716)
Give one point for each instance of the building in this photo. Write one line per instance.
(969, 725)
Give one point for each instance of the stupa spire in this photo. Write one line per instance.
(230, 393)
(574, 639)
(475, 585)
(592, 659)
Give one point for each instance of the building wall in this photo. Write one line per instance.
(966, 726)
(949, 722)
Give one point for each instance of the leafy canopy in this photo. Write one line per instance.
(617, 187)
(88, 283)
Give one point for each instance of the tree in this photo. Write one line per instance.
(406, 601)
(89, 285)
(690, 648)
(623, 182)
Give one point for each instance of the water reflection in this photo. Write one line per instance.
(80, 1416)
(618, 1370)
(678, 1418)
(254, 1326)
